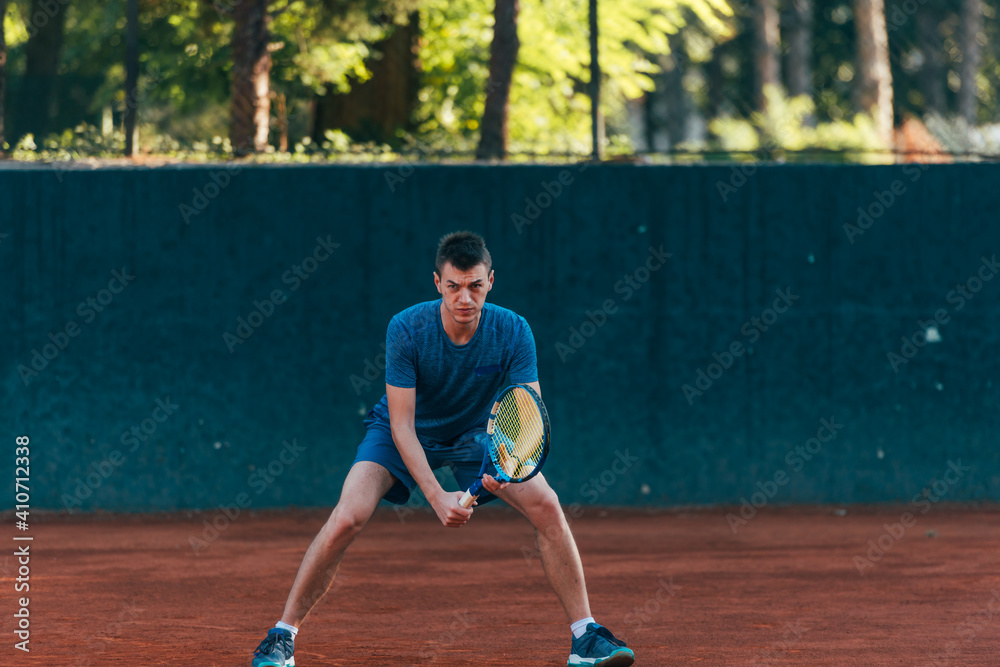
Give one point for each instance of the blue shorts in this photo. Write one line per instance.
(463, 455)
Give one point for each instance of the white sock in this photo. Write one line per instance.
(580, 627)
(291, 628)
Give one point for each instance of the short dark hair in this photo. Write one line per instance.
(463, 250)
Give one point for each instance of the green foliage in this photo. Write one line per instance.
(328, 45)
(783, 129)
(71, 144)
(89, 142)
(549, 108)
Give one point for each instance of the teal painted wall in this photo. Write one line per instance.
(202, 247)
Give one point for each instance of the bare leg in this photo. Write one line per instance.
(365, 485)
(539, 504)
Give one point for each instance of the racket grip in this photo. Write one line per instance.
(470, 496)
(467, 500)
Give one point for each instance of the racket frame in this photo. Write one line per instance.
(476, 489)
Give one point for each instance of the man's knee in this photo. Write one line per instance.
(546, 509)
(345, 523)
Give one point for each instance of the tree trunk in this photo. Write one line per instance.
(375, 109)
(250, 107)
(131, 75)
(715, 79)
(873, 92)
(503, 57)
(594, 86)
(668, 107)
(799, 63)
(3, 69)
(931, 77)
(972, 23)
(36, 97)
(765, 50)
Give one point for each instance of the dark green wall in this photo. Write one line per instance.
(732, 247)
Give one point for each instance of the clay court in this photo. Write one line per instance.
(679, 586)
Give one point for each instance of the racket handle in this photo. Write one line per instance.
(471, 495)
(467, 500)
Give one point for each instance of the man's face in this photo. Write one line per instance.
(464, 292)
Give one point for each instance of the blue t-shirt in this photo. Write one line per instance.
(456, 384)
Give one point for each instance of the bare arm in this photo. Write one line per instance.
(402, 404)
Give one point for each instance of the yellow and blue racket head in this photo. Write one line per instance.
(519, 433)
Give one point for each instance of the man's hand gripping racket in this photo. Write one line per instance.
(519, 439)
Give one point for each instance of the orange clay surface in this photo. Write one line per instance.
(678, 585)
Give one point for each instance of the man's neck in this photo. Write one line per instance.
(459, 334)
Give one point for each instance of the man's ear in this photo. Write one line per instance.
(491, 280)
(437, 282)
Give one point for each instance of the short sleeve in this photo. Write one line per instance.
(524, 363)
(400, 366)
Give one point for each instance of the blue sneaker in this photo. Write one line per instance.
(276, 650)
(600, 648)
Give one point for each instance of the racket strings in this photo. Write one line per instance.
(519, 435)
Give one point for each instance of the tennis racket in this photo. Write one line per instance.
(519, 439)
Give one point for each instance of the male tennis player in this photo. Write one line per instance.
(446, 360)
